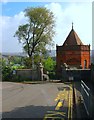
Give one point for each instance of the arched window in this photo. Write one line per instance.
(85, 63)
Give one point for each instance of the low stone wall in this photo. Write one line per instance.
(29, 74)
(24, 73)
(86, 75)
(77, 75)
(34, 74)
(92, 76)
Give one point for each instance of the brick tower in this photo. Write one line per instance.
(73, 52)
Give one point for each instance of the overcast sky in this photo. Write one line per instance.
(80, 13)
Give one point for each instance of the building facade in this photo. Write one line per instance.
(73, 52)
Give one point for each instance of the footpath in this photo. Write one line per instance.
(80, 111)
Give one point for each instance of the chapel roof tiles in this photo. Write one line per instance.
(72, 39)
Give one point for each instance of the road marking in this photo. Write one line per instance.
(60, 99)
(62, 95)
(69, 110)
(54, 118)
(70, 104)
(53, 114)
(59, 105)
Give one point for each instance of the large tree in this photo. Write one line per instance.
(38, 32)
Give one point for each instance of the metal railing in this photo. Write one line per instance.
(85, 91)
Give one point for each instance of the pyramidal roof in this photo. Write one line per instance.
(72, 38)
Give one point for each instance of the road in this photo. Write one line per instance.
(50, 100)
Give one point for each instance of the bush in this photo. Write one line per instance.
(15, 67)
(6, 73)
(7, 70)
(49, 65)
(52, 75)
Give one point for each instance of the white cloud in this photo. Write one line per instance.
(4, 1)
(9, 27)
(79, 13)
(46, 1)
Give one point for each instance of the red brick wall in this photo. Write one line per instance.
(85, 55)
(71, 57)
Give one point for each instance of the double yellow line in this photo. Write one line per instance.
(70, 104)
(62, 95)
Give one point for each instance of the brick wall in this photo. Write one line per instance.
(85, 55)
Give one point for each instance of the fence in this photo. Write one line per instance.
(85, 91)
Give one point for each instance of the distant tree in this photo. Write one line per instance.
(6, 71)
(38, 32)
(49, 64)
(27, 62)
(17, 60)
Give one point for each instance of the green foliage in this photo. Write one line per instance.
(15, 67)
(52, 75)
(38, 32)
(36, 59)
(15, 60)
(6, 71)
(27, 62)
(49, 64)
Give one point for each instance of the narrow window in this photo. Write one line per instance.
(85, 64)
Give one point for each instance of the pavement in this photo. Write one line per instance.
(90, 85)
(81, 111)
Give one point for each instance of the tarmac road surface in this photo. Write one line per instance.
(50, 100)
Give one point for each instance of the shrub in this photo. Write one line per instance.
(6, 73)
(49, 65)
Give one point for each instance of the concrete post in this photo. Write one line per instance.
(40, 75)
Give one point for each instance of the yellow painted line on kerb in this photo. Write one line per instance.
(62, 95)
(69, 107)
(58, 105)
(70, 104)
